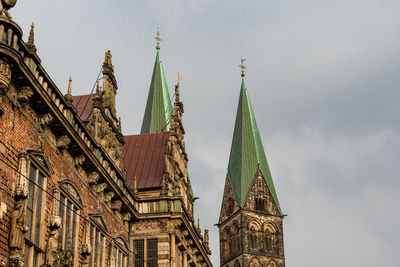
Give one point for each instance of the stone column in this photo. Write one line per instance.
(173, 245)
(185, 259)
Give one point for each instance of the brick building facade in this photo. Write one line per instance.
(74, 191)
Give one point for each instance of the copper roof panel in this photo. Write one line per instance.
(144, 158)
(84, 106)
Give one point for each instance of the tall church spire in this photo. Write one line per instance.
(247, 152)
(158, 108)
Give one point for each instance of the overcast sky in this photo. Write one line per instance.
(323, 78)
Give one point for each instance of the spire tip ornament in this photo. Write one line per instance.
(69, 96)
(158, 39)
(242, 66)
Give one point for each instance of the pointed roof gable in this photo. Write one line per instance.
(158, 108)
(247, 152)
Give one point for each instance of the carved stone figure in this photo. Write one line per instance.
(116, 204)
(52, 246)
(108, 196)
(93, 177)
(5, 5)
(63, 142)
(18, 229)
(24, 93)
(45, 119)
(5, 75)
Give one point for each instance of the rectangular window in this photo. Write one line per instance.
(97, 241)
(36, 186)
(119, 258)
(152, 252)
(139, 255)
(68, 213)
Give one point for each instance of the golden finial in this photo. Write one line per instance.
(158, 39)
(242, 66)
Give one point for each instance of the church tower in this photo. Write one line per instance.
(250, 223)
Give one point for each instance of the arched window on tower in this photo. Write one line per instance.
(226, 243)
(260, 204)
(270, 238)
(235, 238)
(253, 238)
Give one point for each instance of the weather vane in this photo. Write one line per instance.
(158, 39)
(242, 66)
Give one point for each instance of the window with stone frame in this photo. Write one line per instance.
(33, 253)
(146, 250)
(69, 211)
(97, 241)
(253, 238)
(119, 254)
(260, 204)
(152, 252)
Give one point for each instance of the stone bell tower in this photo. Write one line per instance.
(250, 223)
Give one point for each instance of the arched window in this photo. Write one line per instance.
(226, 242)
(237, 264)
(253, 238)
(270, 237)
(69, 210)
(119, 255)
(260, 204)
(235, 238)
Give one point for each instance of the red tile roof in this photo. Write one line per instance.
(84, 106)
(144, 158)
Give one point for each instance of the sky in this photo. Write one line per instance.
(323, 80)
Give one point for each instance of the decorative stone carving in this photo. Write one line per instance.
(108, 196)
(93, 177)
(21, 188)
(52, 246)
(5, 77)
(63, 142)
(71, 190)
(206, 240)
(126, 217)
(45, 119)
(18, 229)
(116, 205)
(79, 160)
(100, 188)
(24, 94)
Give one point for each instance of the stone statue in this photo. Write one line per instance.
(206, 237)
(52, 246)
(18, 229)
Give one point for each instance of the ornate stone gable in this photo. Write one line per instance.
(229, 202)
(175, 179)
(259, 197)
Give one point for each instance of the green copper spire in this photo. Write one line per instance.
(247, 152)
(158, 108)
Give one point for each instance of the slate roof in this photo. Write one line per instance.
(84, 106)
(158, 107)
(144, 158)
(247, 155)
